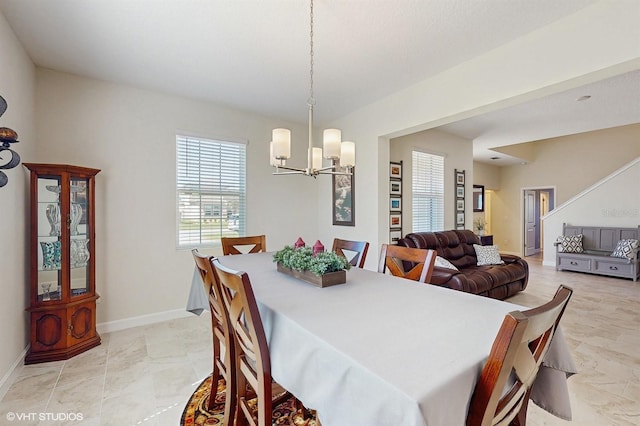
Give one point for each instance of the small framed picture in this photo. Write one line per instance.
(395, 204)
(395, 170)
(395, 187)
(460, 219)
(459, 177)
(395, 220)
(460, 205)
(344, 198)
(459, 191)
(394, 236)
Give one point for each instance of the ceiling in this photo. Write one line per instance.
(254, 55)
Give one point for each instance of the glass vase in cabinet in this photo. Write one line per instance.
(62, 263)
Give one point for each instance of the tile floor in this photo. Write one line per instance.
(144, 375)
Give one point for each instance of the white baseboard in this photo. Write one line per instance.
(111, 326)
(8, 379)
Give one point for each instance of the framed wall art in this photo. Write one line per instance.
(395, 170)
(395, 201)
(395, 204)
(395, 187)
(344, 198)
(394, 236)
(459, 199)
(395, 220)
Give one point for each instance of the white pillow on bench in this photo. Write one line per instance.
(626, 249)
(570, 244)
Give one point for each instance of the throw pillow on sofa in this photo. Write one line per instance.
(570, 244)
(487, 255)
(444, 263)
(626, 249)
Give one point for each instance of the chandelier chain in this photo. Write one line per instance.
(311, 100)
(281, 142)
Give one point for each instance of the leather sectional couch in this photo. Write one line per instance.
(496, 281)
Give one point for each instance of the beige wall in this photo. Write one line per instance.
(130, 135)
(569, 164)
(487, 175)
(17, 88)
(458, 153)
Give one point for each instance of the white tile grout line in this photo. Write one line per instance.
(55, 385)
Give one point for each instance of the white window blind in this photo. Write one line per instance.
(427, 192)
(211, 190)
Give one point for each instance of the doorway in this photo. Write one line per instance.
(537, 203)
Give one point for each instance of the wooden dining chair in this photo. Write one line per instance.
(231, 245)
(222, 367)
(356, 251)
(257, 393)
(516, 355)
(394, 258)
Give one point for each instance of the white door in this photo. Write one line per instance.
(529, 223)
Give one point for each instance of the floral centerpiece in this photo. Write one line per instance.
(322, 269)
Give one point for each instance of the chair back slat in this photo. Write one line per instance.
(243, 245)
(516, 355)
(354, 251)
(393, 258)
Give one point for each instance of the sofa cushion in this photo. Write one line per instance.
(457, 247)
(487, 255)
(626, 249)
(570, 243)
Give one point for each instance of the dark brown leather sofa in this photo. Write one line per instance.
(495, 281)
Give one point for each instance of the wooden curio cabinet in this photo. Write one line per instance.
(62, 262)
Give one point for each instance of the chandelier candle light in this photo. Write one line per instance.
(340, 153)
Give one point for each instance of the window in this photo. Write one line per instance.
(211, 190)
(427, 192)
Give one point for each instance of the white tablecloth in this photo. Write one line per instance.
(381, 350)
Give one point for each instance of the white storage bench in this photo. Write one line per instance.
(598, 243)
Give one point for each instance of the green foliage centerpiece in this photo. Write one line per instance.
(321, 269)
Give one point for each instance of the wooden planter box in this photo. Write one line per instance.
(326, 280)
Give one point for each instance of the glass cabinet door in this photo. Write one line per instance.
(79, 247)
(49, 231)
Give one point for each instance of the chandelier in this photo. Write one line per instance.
(340, 153)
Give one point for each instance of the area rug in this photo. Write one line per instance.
(196, 412)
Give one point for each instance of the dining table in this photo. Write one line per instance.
(383, 350)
